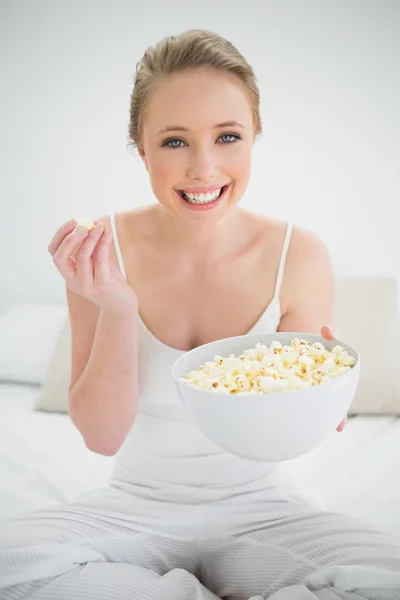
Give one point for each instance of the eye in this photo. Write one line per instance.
(173, 143)
(229, 138)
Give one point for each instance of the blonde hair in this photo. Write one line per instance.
(192, 49)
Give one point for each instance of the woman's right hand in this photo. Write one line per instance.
(83, 259)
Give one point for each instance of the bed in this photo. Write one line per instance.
(44, 462)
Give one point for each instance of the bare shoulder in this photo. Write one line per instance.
(308, 284)
(307, 288)
(137, 218)
(307, 249)
(308, 263)
(132, 226)
(134, 223)
(302, 240)
(269, 232)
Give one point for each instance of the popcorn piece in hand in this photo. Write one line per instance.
(85, 224)
(263, 370)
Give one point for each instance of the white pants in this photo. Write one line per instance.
(113, 546)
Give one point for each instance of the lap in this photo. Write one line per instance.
(111, 581)
(310, 555)
(81, 551)
(291, 554)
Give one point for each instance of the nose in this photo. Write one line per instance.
(202, 165)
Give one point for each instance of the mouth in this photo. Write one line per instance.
(203, 200)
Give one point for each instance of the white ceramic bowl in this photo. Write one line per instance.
(268, 427)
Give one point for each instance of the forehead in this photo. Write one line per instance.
(197, 99)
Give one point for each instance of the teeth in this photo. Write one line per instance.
(202, 198)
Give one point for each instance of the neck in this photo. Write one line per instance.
(208, 240)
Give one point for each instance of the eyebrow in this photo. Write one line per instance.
(217, 126)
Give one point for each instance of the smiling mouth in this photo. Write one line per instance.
(203, 198)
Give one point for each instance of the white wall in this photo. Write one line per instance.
(329, 157)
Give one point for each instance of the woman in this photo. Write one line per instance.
(181, 519)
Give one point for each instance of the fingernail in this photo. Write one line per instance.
(71, 222)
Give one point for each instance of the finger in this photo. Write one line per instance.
(101, 256)
(83, 258)
(81, 230)
(328, 332)
(60, 235)
(67, 249)
(342, 425)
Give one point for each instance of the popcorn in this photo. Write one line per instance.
(270, 384)
(84, 224)
(277, 368)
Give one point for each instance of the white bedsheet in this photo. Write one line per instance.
(43, 462)
(43, 459)
(356, 471)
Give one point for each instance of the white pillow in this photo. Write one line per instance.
(366, 316)
(28, 333)
(54, 395)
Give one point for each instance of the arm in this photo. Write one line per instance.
(308, 287)
(103, 394)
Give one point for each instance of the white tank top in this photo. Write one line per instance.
(165, 456)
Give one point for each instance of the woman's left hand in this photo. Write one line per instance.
(329, 334)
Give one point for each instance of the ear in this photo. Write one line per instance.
(143, 156)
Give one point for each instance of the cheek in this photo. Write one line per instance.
(239, 161)
(164, 168)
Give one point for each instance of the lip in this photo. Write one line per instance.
(206, 206)
(203, 190)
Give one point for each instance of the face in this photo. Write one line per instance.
(196, 141)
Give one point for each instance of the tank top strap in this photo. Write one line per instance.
(282, 261)
(116, 244)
